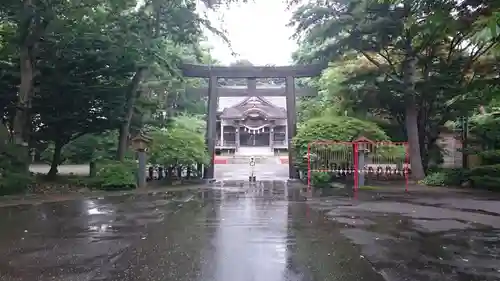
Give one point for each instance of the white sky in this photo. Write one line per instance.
(257, 31)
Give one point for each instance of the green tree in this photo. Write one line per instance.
(395, 38)
(78, 92)
(177, 147)
(160, 22)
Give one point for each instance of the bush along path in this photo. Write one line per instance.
(485, 146)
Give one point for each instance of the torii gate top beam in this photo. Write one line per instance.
(247, 92)
(297, 71)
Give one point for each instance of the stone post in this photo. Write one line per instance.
(140, 144)
(361, 166)
(362, 146)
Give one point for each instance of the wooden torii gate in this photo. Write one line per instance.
(251, 73)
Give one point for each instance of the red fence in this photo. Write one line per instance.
(359, 160)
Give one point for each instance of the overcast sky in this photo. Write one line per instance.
(257, 32)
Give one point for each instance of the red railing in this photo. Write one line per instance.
(380, 160)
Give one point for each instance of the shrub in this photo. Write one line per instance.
(14, 174)
(339, 128)
(487, 170)
(488, 182)
(332, 128)
(445, 177)
(15, 182)
(490, 157)
(485, 177)
(177, 146)
(114, 175)
(320, 179)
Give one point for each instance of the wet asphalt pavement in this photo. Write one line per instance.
(234, 231)
(425, 234)
(228, 233)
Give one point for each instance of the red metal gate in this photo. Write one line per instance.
(359, 160)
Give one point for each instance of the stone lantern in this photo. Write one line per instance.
(363, 147)
(140, 143)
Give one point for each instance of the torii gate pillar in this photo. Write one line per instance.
(291, 119)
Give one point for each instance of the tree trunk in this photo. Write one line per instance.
(179, 172)
(25, 90)
(170, 172)
(411, 116)
(56, 160)
(417, 168)
(132, 96)
(92, 168)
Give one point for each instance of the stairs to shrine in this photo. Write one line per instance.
(254, 151)
(262, 155)
(246, 160)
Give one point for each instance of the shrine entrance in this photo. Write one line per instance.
(251, 125)
(253, 139)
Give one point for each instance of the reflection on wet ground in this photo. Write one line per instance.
(422, 236)
(233, 232)
(268, 231)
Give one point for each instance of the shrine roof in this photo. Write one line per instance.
(227, 102)
(272, 107)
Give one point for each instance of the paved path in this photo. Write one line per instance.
(242, 171)
(235, 233)
(426, 234)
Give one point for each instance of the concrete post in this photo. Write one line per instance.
(361, 167)
(291, 124)
(211, 126)
(141, 177)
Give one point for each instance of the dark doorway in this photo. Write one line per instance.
(248, 139)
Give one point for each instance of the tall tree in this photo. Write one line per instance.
(393, 37)
(159, 21)
(80, 82)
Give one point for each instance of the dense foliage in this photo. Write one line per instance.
(413, 65)
(338, 128)
(78, 79)
(328, 128)
(177, 146)
(115, 175)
